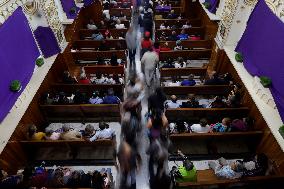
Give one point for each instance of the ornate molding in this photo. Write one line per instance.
(250, 2)
(31, 8)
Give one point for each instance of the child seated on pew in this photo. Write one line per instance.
(191, 102)
(70, 134)
(256, 166)
(172, 103)
(189, 82)
(178, 46)
(110, 98)
(186, 25)
(104, 133)
(33, 134)
(91, 25)
(95, 98)
(224, 126)
(183, 35)
(202, 127)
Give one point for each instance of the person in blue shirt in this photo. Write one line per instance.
(183, 35)
(97, 36)
(110, 98)
(189, 82)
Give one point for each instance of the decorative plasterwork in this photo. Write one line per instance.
(250, 2)
(277, 6)
(50, 11)
(30, 8)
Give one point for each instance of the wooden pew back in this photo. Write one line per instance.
(116, 11)
(191, 31)
(106, 112)
(190, 44)
(114, 32)
(186, 54)
(198, 89)
(171, 22)
(94, 55)
(92, 44)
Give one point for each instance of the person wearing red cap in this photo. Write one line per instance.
(146, 43)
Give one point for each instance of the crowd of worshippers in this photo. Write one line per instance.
(178, 25)
(226, 125)
(97, 78)
(41, 177)
(67, 132)
(107, 4)
(174, 36)
(191, 80)
(199, 101)
(97, 97)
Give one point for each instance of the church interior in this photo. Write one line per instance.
(146, 94)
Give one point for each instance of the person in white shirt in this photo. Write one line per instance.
(91, 25)
(118, 25)
(186, 26)
(104, 133)
(162, 26)
(202, 127)
(173, 102)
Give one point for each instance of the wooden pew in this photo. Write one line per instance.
(87, 88)
(94, 55)
(191, 31)
(116, 11)
(186, 54)
(198, 89)
(169, 72)
(190, 44)
(207, 179)
(214, 114)
(106, 69)
(86, 33)
(193, 22)
(60, 152)
(92, 112)
(94, 45)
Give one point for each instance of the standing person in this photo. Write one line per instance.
(131, 38)
(157, 100)
(149, 62)
(146, 43)
(129, 162)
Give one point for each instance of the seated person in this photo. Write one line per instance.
(157, 48)
(91, 25)
(191, 102)
(102, 25)
(189, 82)
(52, 135)
(163, 36)
(218, 103)
(222, 127)
(70, 134)
(174, 82)
(178, 46)
(172, 15)
(169, 64)
(68, 79)
(108, 35)
(46, 99)
(83, 79)
(224, 170)
(110, 98)
(89, 131)
(242, 124)
(122, 16)
(173, 36)
(202, 127)
(165, 47)
(95, 98)
(180, 63)
(7, 181)
(61, 98)
(194, 37)
(80, 98)
(162, 26)
(186, 25)
(34, 135)
(113, 60)
(173, 102)
(104, 133)
(234, 98)
(121, 35)
(183, 35)
(119, 25)
(214, 79)
(97, 36)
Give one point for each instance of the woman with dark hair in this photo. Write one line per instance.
(157, 100)
(156, 123)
